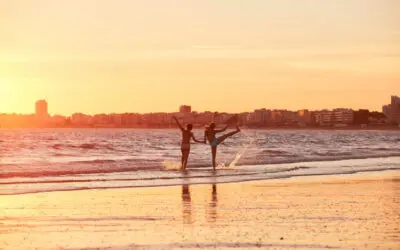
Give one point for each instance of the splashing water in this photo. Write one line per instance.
(171, 165)
(242, 151)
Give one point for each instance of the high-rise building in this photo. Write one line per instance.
(185, 109)
(395, 100)
(392, 110)
(42, 109)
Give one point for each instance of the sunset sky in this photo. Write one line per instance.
(98, 56)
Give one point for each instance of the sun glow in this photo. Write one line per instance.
(12, 98)
(5, 90)
(134, 56)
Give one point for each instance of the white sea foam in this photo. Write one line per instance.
(171, 165)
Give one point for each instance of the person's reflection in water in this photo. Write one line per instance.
(212, 213)
(187, 204)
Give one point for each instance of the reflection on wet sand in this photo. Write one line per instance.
(187, 205)
(212, 206)
(211, 212)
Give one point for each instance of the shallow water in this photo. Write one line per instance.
(69, 159)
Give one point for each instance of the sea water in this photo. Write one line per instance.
(45, 160)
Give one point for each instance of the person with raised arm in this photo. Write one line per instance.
(187, 135)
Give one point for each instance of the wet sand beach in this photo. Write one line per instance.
(359, 211)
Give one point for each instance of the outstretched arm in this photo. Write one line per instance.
(221, 130)
(177, 122)
(194, 139)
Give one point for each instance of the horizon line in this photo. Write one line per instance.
(207, 111)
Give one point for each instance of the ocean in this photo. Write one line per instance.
(46, 160)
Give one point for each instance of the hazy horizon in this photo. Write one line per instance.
(232, 56)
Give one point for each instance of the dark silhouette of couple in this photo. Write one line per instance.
(210, 136)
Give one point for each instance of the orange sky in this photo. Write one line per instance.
(227, 55)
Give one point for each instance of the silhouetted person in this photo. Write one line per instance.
(210, 135)
(187, 135)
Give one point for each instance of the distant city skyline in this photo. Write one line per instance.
(258, 118)
(42, 104)
(227, 55)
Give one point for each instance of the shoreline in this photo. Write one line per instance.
(289, 179)
(276, 163)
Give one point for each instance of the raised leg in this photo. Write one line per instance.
(223, 138)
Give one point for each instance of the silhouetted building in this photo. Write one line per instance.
(277, 117)
(361, 116)
(344, 116)
(336, 116)
(41, 109)
(392, 110)
(304, 116)
(261, 116)
(377, 118)
(185, 109)
(58, 120)
(41, 114)
(323, 117)
(395, 100)
(80, 119)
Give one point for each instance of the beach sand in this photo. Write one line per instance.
(359, 211)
